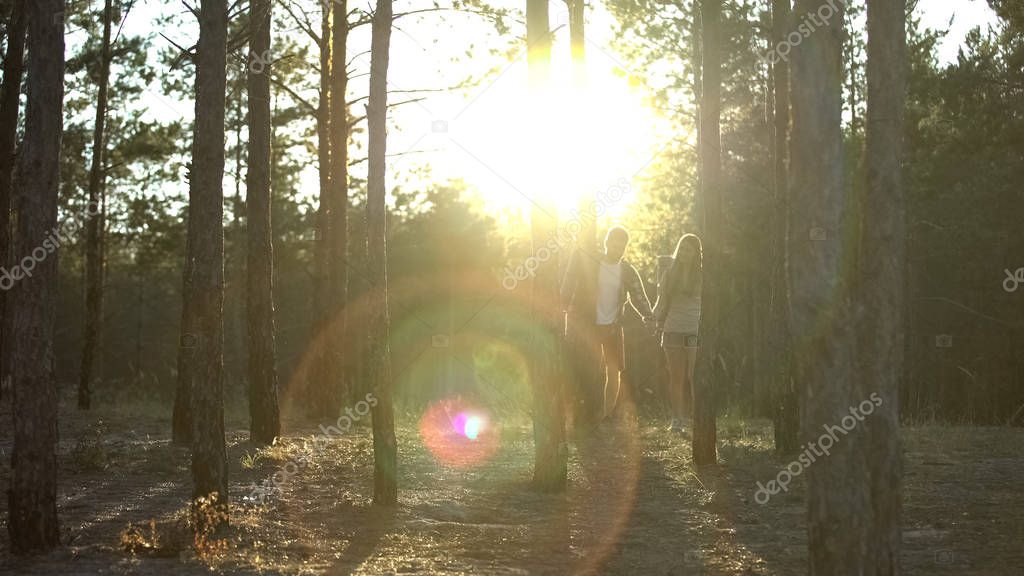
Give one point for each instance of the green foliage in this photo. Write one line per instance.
(963, 172)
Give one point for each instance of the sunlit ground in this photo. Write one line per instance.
(646, 511)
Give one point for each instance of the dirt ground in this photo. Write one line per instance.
(635, 504)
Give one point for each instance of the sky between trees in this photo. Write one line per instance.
(451, 132)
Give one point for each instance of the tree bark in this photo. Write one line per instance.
(264, 414)
(577, 44)
(320, 373)
(710, 142)
(550, 454)
(10, 94)
(696, 58)
(883, 281)
(584, 391)
(385, 447)
(203, 325)
(820, 297)
(95, 225)
(786, 403)
(32, 498)
(338, 225)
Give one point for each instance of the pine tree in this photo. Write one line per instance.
(550, 454)
(704, 433)
(821, 308)
(385, 447)
(202, 329)
(10, 94)
(785, 404)
(338, 220)
(32, 498)
(264, 413)
(882, 282)
(96, 224)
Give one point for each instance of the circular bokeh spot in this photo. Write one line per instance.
(458, 433)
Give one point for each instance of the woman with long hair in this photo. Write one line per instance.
(678, 316)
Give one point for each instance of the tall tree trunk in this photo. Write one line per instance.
(587, 239)
(883, 281)
(32, 498)
(320, 373)
(696, 59)
(704, 432)
(10, 94)
(550, 453)
(338, 225)
(786, 402)
(93, 245)
(586, 375)
(385, 447)
(264, 414)
(820, 306)
(577, 44)
(203, 326)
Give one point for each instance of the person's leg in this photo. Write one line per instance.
(618, 399)
(612, 381)
(608, 366)
(690, 360)
(675, 359)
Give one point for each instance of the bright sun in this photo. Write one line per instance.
(520, 149)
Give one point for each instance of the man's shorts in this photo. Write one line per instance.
(611, 340)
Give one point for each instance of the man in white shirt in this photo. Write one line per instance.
(595, 291)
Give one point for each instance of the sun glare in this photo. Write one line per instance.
(554, 146)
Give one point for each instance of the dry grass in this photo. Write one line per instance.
(90, 453)
(635, 505)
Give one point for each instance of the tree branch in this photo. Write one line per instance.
(312, 109)
(395, 155)
(184, 53)
(302, 24)
(358, 119)
(416, 91)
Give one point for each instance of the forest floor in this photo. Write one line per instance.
(635, 504)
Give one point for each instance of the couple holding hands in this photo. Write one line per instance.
(595, 291)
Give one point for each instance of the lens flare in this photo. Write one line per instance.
(472, 428)
(468, 424)
(457, 433)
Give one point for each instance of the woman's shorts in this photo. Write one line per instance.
(679, 340)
